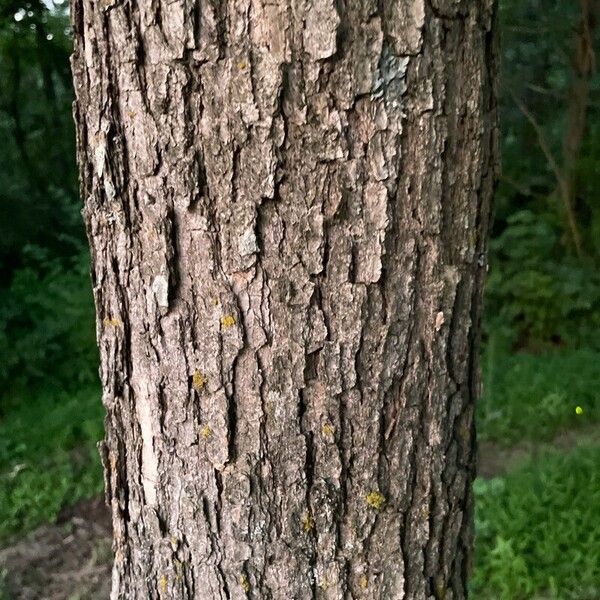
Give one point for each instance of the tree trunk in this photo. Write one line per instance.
(584, 64)
(287, 204)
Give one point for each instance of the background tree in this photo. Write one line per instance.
(544, 287)
(288, 207)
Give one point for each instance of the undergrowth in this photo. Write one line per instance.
(48, 456)
(47, 337)
(533, 397)
(538, 530)
(3, 586)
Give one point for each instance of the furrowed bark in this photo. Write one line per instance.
(287, 205)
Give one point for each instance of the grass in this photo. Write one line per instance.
(48, 456)
(4, 594)
(533, 397)
(538, 530)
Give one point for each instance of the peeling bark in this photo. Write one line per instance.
(287, 205)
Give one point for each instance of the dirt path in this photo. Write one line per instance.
(495, 460)
(66, 561)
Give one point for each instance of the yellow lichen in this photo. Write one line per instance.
(325, 584)
(242, 65)
(308, 523)
(227, 321)
(112, 322)
(199, 381)
(327, 429)
(162, 583)
(375, 500)
(206, 432)
(244, 583)
(363, 582)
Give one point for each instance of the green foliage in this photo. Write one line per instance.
(47, 324)
(4, 593)
(46, 312)
(538, 43)
(38, 178)
(538, 47)
(532, 397)
(537, 295)
(48, 456)
(538, 530)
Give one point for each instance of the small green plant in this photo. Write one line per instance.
(538, 530)
(48, 456)
(4, 592)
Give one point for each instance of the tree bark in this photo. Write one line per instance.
(287, 205)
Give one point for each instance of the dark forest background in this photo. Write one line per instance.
(538, 510)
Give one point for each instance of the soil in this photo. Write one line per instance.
(495, 459)
(71, 559)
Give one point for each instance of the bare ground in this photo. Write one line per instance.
(69, 560)
(495, 460)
